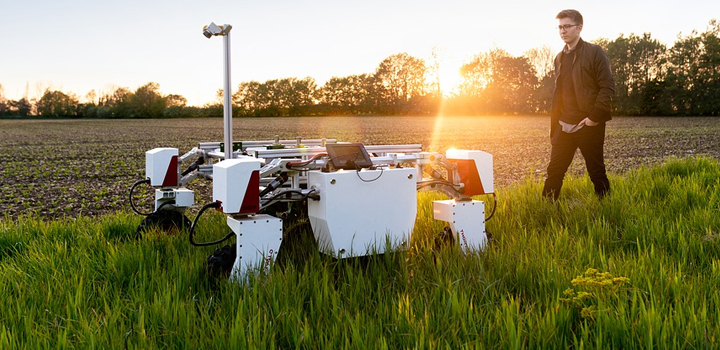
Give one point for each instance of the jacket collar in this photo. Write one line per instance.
(577, 47)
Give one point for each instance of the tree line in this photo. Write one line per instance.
(651, 79)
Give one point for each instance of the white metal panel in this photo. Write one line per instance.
(258, 241)
(466, 220)
(231, 178)
(157, 162)
(183, 197)
(483, 162)
(360, 212)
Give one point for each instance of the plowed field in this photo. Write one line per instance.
(67, 168)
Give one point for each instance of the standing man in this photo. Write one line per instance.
(584, 87)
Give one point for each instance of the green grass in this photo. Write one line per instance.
(87, 283)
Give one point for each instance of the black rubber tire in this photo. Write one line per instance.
(445, 238)
(169, 221)
(298, 245)
(219, 264)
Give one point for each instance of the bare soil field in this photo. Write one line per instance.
(68, 168)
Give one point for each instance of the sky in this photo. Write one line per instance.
(76, 46)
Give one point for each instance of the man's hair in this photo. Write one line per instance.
(574, 15)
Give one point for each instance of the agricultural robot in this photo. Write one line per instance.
(358, 199)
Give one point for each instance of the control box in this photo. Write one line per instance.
(236, 185)
(363, 212)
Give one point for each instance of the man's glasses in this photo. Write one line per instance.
(567, 26)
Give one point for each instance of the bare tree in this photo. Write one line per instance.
(542, 59)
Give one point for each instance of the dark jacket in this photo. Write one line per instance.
(593, 81)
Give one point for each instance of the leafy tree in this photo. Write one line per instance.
(57, 104)
(656, 98)
(498, 83)
(268, 98)
(708, 82)
(399, 78)
(147, 102)
(297, 94)
(247, 97)
(181, 112)
(338, 92)
(512, 88)
(115, 104)
(4, 106)
(350, 94)
(276, 97)
(692, 82)
(176, 107)
(21, 107)
(478, 73)
(683, 72)
(636, 62)
(543, 94)
(173, 100)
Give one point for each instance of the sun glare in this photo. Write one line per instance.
(444, 67)
(449, 80)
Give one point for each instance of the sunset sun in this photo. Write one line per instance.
(449, 80)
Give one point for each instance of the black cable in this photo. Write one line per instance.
(193, 166)
(292, 165)
(425, 183)
(357, 171)
(331, 163)
(437, 182)
(302, 169)
(304, 196)
(277, 182)
(132, 189)
(192, 227)
(270, 201)
(284, 193)
(493, 209)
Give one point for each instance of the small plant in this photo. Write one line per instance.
(594, 289)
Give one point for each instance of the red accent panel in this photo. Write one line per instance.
(171, 175)
(251, 202)
(469, 176)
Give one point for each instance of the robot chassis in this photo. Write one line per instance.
(360, 200)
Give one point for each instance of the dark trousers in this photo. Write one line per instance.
(590, 140)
